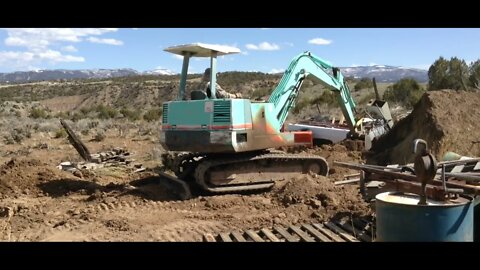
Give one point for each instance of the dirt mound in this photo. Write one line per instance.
(320, 193)
(24, 176)
(446, 119)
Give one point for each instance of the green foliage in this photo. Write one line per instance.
(106, 112)
(38, 113)
(406, 92)
(132, 115)
(448, 74)
(301, 104)
(229, 79)
(77, 116)
(60, 133)
(327, 97)
(363, 84)
(62, 115)
(153, 115)
(474, 79)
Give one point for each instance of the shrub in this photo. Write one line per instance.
(153, 115)
(100, 136)
(406, 92)
(60, 133)
(38, 113)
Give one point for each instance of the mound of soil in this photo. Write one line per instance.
(447, 120)
(24, 176)
(320, 193)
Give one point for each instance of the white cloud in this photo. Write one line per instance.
(320, 41)
(372, 64)
(264, 28)
(69, 48)
(56, 56)
(276, 70)
(28, 60)
(244, 53)
(176, 56)
(134, 28)
(264, 46)
(43, 37)
(109, 41)
(354, 65)
(37, 42)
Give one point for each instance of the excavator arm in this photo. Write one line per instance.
(307, 64)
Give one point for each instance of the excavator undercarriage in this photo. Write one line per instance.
(251, 171)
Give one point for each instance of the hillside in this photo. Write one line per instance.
(382, 73)
(148, 92)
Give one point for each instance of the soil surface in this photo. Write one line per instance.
(39, 202)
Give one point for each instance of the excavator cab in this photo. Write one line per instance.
(200, 50)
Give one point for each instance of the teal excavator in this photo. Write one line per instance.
(225, 145)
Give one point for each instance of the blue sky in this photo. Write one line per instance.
(264, 50)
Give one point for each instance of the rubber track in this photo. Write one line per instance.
(209, 162)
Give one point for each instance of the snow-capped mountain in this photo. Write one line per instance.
(160, 71)
(385, 73)
(58, 74)
(381, 74)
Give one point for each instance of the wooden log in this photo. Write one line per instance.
(76, 142)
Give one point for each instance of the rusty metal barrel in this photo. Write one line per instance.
(401, 219)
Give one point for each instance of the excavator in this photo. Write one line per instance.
(228, 145)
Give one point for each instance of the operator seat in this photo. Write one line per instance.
(198, 95)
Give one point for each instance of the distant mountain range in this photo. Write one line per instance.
(59, 74)
(385, 73)
(381, 74)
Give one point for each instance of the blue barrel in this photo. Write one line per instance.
(401, 219)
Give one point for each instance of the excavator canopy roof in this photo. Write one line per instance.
(202, 49)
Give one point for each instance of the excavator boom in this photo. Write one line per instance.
(308, 65)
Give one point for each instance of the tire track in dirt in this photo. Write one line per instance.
(187, 228)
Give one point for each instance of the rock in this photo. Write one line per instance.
(277, 220)
(208, 204)
(315, 203)
(282, 215)
(78, 174)
(110, 200)
(6, 212)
